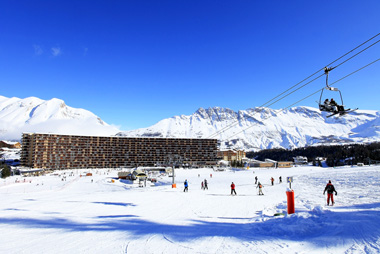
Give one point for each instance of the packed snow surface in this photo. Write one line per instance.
(67, 212)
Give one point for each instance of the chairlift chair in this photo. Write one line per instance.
(330, 108)
(337, 108)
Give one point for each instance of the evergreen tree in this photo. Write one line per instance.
(5, 171)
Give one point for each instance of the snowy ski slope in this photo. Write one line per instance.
(95, 215)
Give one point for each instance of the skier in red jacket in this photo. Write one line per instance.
(330, 190)
(233, 188)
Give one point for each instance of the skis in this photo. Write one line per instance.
(342, 113)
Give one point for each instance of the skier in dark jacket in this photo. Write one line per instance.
(205, 184)
(330, 190)
(186, 186)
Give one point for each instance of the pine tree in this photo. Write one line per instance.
(6, 171)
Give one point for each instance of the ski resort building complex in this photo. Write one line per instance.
(53, 151)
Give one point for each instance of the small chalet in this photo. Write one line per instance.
(231, 155)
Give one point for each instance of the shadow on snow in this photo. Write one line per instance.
(316, 227)
(114, 203)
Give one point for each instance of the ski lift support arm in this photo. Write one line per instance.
(327, 70)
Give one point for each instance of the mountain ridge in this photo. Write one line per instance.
(36, 115)
(251, 129)
(263, 128)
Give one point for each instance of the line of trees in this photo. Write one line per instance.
(336, 155)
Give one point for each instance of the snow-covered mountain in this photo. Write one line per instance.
(250, 129)
(262, 128)
(35, 115)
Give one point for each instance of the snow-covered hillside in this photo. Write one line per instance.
(261, 128)
(92, 214)
(35, 115)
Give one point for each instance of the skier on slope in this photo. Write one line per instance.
(272, 180)
(205, 184)
(233, 188)
(186, 186)
(260, 186)
(256, 179)
(330, 190)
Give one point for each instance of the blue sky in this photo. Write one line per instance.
(134, 63)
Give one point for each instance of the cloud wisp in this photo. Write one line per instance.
(38, 50)
(56, 51)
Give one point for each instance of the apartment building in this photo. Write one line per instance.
(53, 151)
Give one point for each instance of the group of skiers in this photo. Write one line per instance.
(329, 188)
(259, 185)
(271, 179)
(204, 185)
(332, 105)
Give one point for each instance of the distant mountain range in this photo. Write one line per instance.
(251, 129)
(35, 115)
(264, 128)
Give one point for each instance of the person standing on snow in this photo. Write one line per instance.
(272, 180)
(330, 190)
(233, 188)
(280, 179)
(202, 185)
(186, 186)
(260, 186)
(256, 179)
(205, 184)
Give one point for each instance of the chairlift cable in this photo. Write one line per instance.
(284, 96)
(329, 69)
(231, 125)
(297, 89)
(265, 104)
(355, 71)
(356, 54)
(312, 94)
(349, 52)
(316, 92)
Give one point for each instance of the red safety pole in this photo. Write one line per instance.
(290, 196)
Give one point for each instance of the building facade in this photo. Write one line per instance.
(53, 151)
(285, 164)
(268, 163)
(231, 155)
(300, 160)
